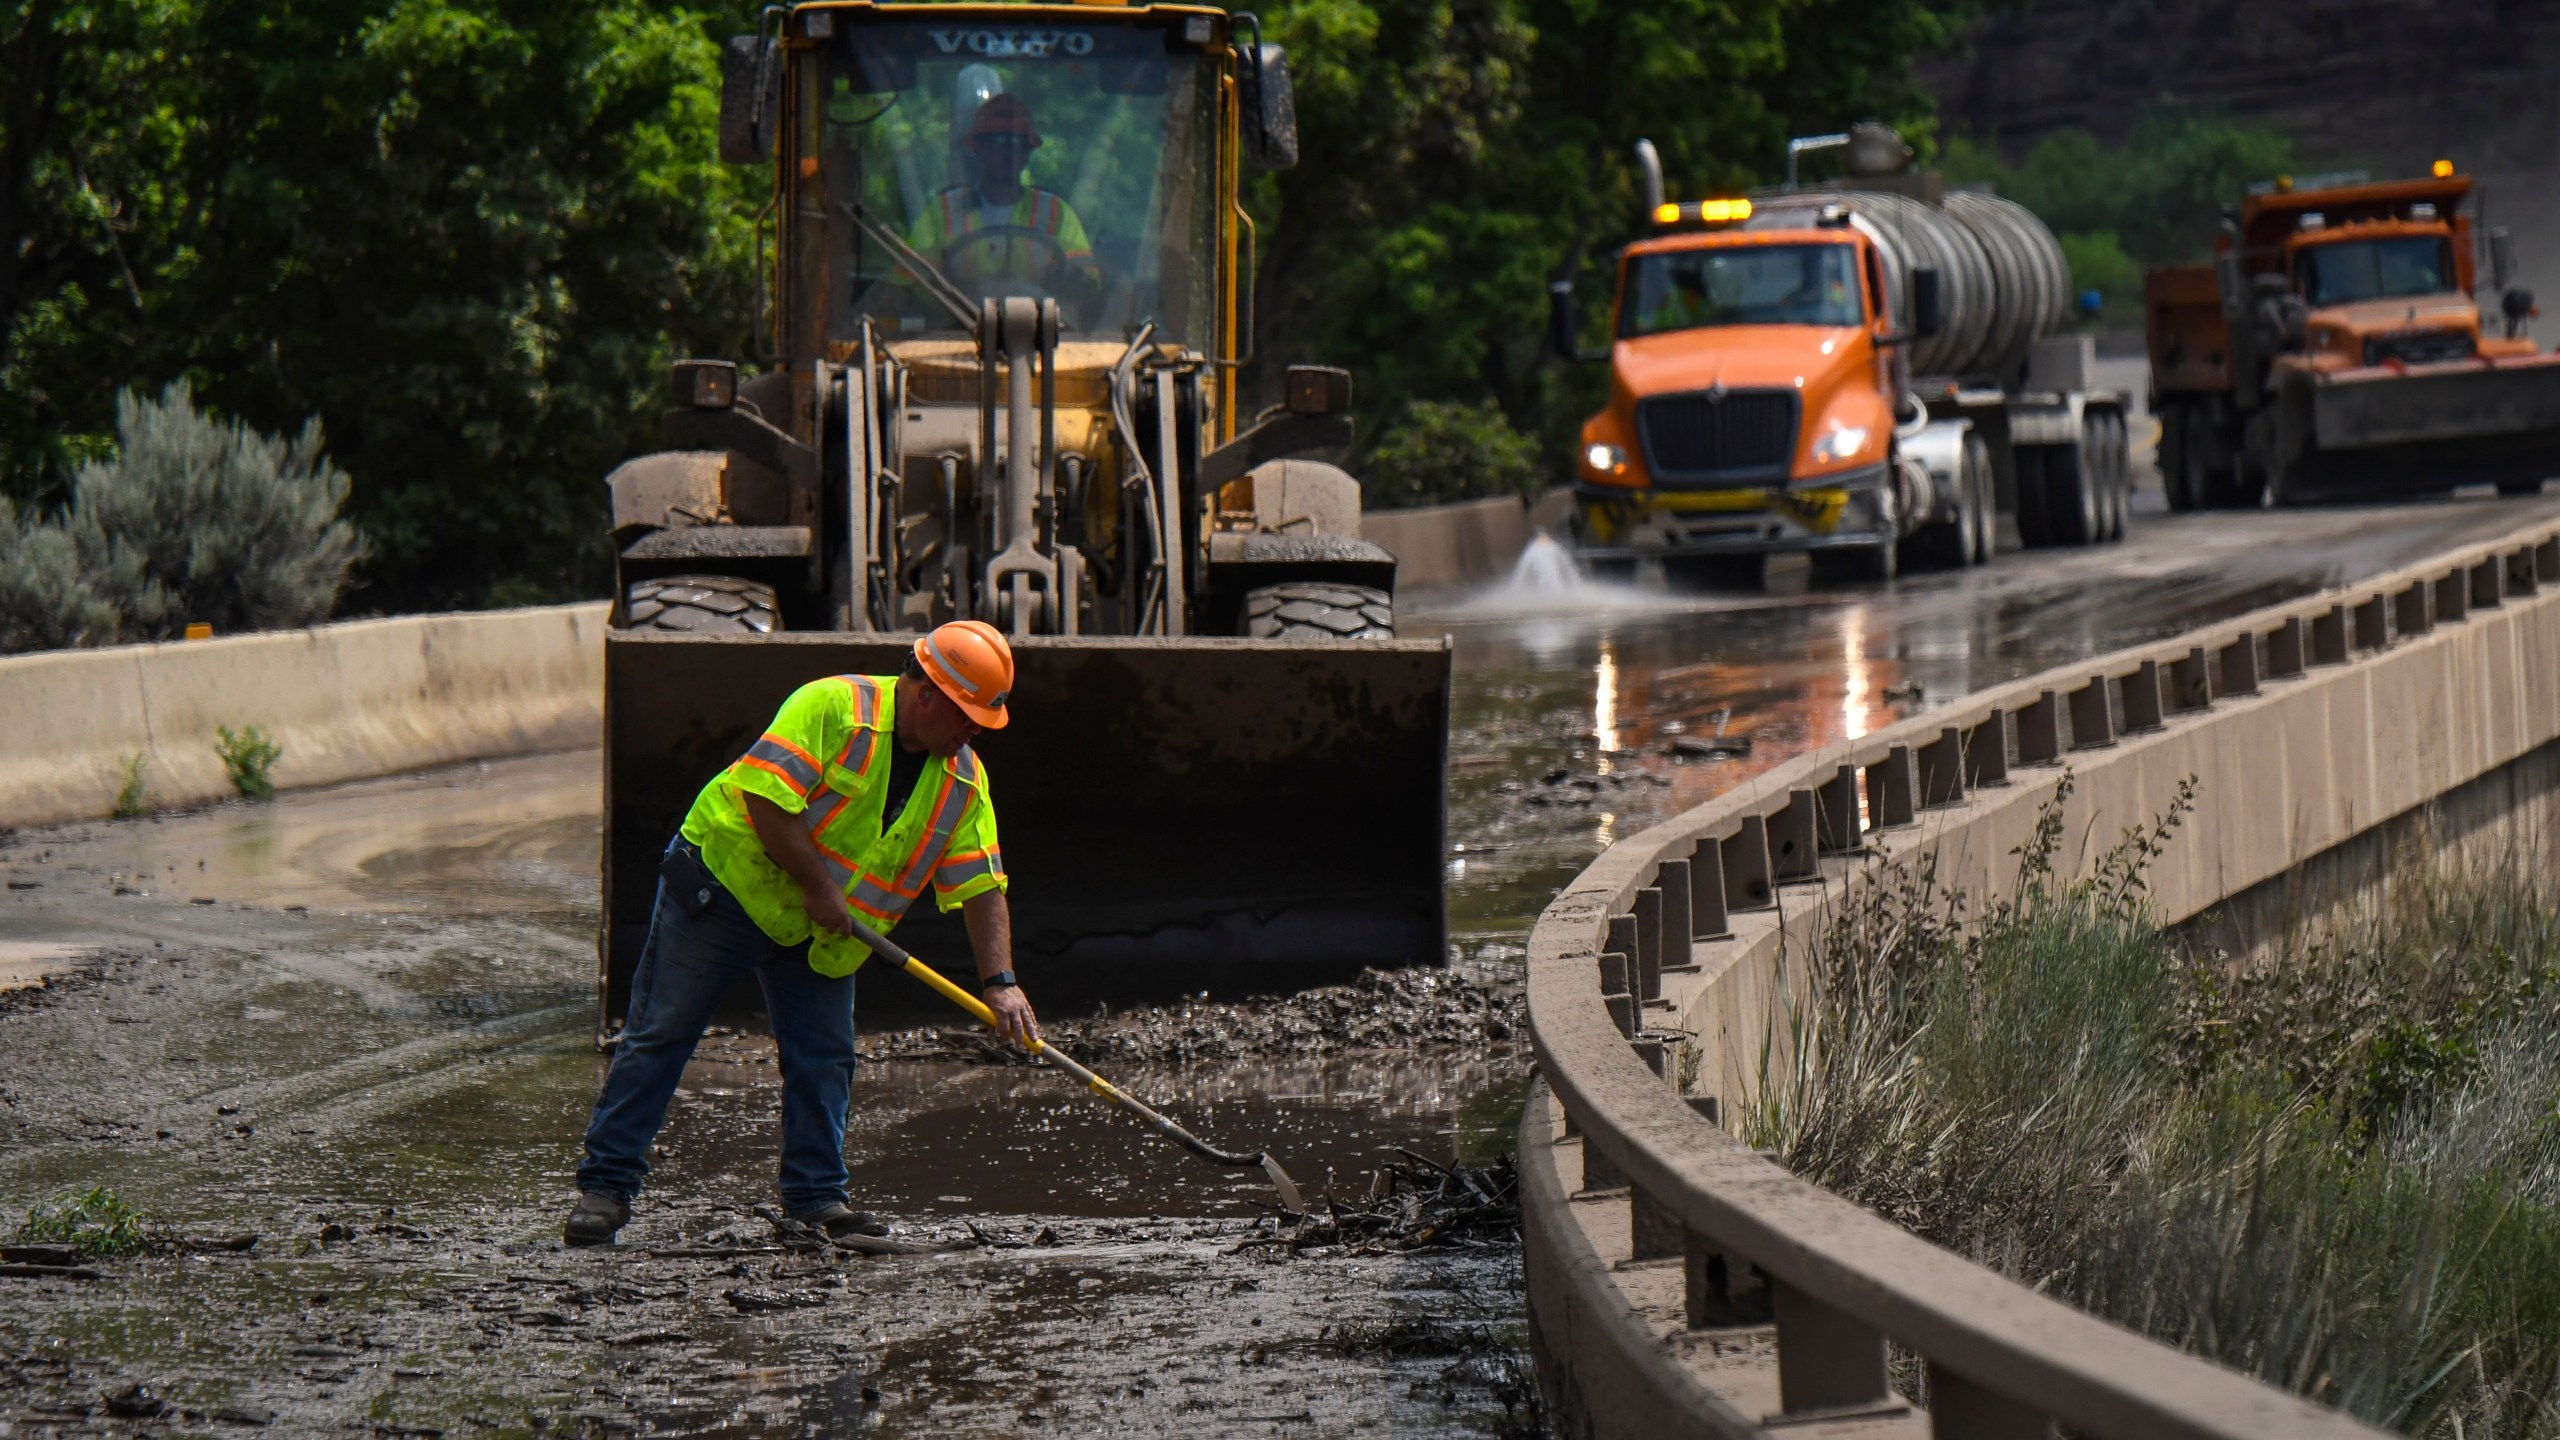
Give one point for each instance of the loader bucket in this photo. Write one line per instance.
(1177, 815)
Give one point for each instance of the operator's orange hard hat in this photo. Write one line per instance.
(968, 661)
(1005, 115)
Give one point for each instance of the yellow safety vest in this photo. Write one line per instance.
(946, 833)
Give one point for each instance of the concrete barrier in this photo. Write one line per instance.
(2315, 730)
(1448, 547)
(365, 698)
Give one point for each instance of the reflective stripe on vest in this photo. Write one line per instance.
(796, 767)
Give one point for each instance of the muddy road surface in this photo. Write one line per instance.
(351, 1028)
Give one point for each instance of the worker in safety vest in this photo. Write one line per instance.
(1028, 233)
(862, 791)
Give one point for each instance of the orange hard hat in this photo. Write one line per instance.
(968, 661)
(1005, 115)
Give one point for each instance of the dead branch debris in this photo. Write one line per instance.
(1411, 1204)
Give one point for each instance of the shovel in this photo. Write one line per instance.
(1290, 1200)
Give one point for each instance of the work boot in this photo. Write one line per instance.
(594, 1219)
(840, 1221)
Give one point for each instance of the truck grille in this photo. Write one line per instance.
(1718, 437)
(2419, 347)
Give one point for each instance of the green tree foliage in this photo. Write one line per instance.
(465, 234)
(1443, 450)
(2118, 212)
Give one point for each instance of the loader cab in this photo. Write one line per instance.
(1045, 153)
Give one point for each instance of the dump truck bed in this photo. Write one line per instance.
(1177, 815)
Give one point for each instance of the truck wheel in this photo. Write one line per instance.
(1957, 542)
(2119, 453)
(1986, 500)
(1309, 611)
(2035, 526)
(701, 604)
(2071, 493)
(1876, 562)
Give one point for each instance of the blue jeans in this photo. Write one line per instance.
(686, 965)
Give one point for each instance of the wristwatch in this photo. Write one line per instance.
(1001, 977)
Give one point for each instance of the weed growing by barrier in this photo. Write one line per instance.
(248, 756)
(133, 788)
(2336, 1168)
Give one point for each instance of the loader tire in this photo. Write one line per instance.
(701, 604)
(1308, 610)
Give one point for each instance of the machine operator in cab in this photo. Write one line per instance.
(998, 228)
(861, 792)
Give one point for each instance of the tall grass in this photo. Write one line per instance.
(2336, 1167)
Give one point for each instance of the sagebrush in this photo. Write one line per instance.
(193, 519)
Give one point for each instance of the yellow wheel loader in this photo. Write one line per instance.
(1006, 281)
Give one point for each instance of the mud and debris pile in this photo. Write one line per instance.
(1410, 1012)
(1410, 1204)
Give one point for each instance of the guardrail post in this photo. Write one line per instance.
(1986, 752)
(1673, 877)
(1626, 939)
(1623, 1010)
(2040, 730)
(1597, 1172)
(1791, 840)
(2369, 634)
(2142, 699)
(2521, 579)
(2190, 683)
(1962, 1410)
(1657, 1230)
(1942, 769)
(1647, 918)
(2240, 666)
(2411, 613)
(1750, 881)
(2487, 589)
(1893, 789)
(2546, 560)
(2329, 636)
(2285, 653)
(2093, 722)
(1835, 812)
(1706, 892)
(1827, 1359)
(2453, 598)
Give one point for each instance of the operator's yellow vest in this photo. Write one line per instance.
(825, 761)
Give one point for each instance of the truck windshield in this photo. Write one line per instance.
(1073, 160)
(2348, 270)
(1740, 285)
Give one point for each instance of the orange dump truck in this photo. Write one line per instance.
(2334, 344)
(1868, 370)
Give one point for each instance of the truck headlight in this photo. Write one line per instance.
(1606, 459)
(1841, 442)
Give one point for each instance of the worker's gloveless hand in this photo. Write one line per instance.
(1014, 1020)
(826, 908)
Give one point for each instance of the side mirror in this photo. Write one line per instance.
(1926, 317)
(750, 99)
(2502, 258)
(1564, 326)
(1270, 104)
(2230, 285)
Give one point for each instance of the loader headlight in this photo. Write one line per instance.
(1840, 442)
(1606, 459)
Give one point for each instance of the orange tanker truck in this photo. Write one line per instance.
(1870, 370)
(2334, 342)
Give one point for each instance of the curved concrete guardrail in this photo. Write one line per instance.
(2308, 725)
(346, 701)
